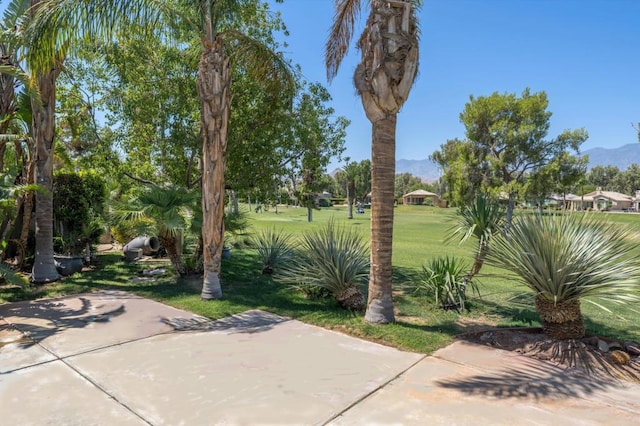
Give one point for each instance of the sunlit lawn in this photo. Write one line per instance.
(420, 233)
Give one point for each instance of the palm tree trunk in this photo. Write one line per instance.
(170, 244)
(350, 197)
(383, 153)
(561, 320)
(214, 85)
(44, 268)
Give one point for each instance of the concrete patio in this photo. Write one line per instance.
(114, 358)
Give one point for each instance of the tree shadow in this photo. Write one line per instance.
(39, 320)
(533, 381)
(250, 322)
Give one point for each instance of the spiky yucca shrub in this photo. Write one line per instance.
(564, 259)
(444, 280)
(482, 219)
(335, 258)
(273, 247)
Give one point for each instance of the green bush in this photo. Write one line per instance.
(274, 247)
(334, 258)
(444, 280)
(563, 259)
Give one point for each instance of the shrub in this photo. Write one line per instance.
(273, 248)
(334, 258)
(444, 280)
(565, 258)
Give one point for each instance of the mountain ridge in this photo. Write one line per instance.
(621, 157)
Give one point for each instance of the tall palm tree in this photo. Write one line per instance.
(19, 14)
(383, 79)
(219, 25)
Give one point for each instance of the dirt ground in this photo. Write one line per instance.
(595, 355)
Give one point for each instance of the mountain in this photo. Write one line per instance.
(621, 157)
(426, 170)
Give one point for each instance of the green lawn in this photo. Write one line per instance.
(420, 233)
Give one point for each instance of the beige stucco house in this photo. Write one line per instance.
(600, 200)
(419, 197)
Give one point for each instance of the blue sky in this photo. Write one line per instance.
(582, 53)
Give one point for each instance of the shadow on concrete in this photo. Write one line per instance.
(54, 316)
(530, 382)
(253, 321)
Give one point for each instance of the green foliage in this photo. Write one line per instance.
(77, 197)
(506, 141)
(481, 219)
(570, 256)
(443, 280)
(6, 273)
(333, 257)
(274, 247)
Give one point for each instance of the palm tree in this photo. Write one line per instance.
(219, 26)
(564, 259)
(170, 209)
(481, 219)
(40, 84)
(383, 79)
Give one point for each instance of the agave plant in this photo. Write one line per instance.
(564, 259)
(334, 258)
(444, 279)
(481, 219)
(273, 247)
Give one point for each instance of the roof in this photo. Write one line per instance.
(612, 195)
(420, 193)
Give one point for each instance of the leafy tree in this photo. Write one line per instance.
(509, 133)
(383, 79)
(406, 182)
(463, 172)
(560, 176)
(603, 176)
(226, 32)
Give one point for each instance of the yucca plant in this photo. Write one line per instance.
(274, 247)
(334, 258)
(481, 219)
(564, 259)
(444, 279)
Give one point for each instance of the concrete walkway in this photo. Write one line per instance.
(112, 358)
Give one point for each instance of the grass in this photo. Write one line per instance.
(420, 234)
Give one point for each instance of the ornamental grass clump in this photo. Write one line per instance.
(334, 258)
(564, 259)
(273, 247)
(444, 279)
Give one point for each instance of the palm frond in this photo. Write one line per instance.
(261, 63)
(56, 22)
(347, 13)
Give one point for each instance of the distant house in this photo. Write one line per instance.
(419, 197)
(604, 200)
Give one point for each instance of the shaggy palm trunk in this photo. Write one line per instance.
(170, 245)
(561, 320)
(44, 268)
(7, 99)
(389, 47)
(214, 85)
(351, 298)
(383, 149)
